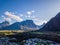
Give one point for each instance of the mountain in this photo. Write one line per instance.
(41, 26)
(28, 25)
(24, 25)
(4, 24)
(53, 25)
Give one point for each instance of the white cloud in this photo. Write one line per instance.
(39, 22)
(13, 16)
(6, 19)
(30, 12)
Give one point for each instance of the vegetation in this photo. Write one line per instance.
(37, 32)
(10, 32)
(29, 34)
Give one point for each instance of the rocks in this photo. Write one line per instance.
(31, 41)
(5, 41)
(36, 41)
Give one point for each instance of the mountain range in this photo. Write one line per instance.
(52, 25)
(24, 25)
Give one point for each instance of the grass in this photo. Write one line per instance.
(58, 34)
(48, 33)
(10, 32)
(37, 32)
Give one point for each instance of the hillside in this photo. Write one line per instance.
(53, 25)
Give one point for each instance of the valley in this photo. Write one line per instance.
(31, 34)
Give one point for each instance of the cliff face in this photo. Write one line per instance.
(53, 25)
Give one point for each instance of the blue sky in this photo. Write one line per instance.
(37, 10)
